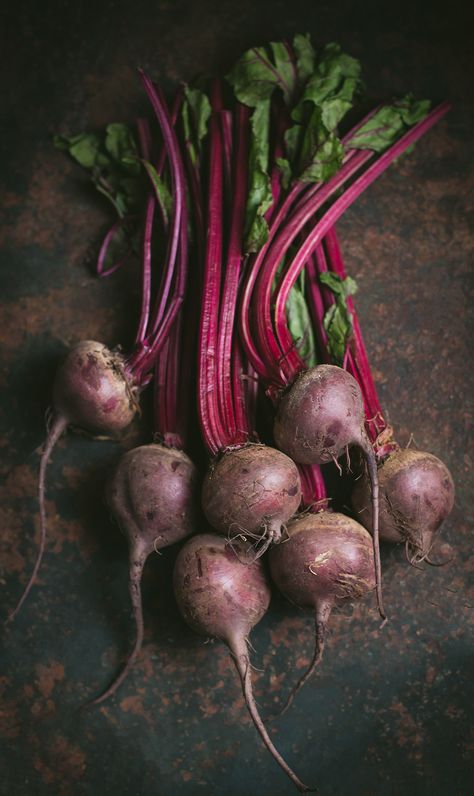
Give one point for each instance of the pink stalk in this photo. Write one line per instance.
(316, 306)
(227, 136)
(263, 367)
(232, 269)
(303, 201)
(286, 359)
(160, 413)
(176, 264)
(103, 251)
(376, 421)
(178, 191)
(243, 395)
(374, 170)
(212, 427)
(146, 271)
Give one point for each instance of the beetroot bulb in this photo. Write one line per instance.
(97, 389)
(220, 596)
(153, 491)
(417, 494)
(327, 561)
(250, 490)
(416, 488)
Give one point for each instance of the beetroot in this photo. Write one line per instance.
(92, 391)
(152, 495)
(319, 418)
(328, 560)
(416, 495)
(220, 596)
(252, 492)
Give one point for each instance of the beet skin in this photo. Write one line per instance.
(327, 560)
(152, 495)
(416, 495)
(92, 391)
(219, 595)
(252, 491)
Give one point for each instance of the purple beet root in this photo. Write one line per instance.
(251, 492)
(317, 420)
(416, 495)
(90, 391)
(218, 595)
(328, 560)
(153, 496)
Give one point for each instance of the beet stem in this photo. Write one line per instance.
(373, 407)
(212, 426)
(100, 265)
(137, 562)
(364, 443)
(238, 649)
(146, 271)
(321, 619)
(280, 337)
(58, 426)
(230, 286)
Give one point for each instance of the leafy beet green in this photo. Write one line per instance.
(196, 112)
(111, 157)
(338, 319)
(389, 123)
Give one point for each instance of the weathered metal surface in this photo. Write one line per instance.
(389, 712)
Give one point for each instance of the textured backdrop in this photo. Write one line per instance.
(388, 713)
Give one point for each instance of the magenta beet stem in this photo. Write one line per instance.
(176, 263)
(313, 488)
(316, 266)
(316, 307)
(357, 345)
(144, 137)
(169, 422)
(233, 264)
(146, 271)
(341, 204)
(103, 251)
(208, 407)
(160, 414)
(227, 141)
(286, 359)
(244, 395)
(264, 367)
(177, 185)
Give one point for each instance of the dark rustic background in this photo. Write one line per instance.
(389, 712)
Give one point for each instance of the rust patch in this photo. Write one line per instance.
(47, 676)
(61, 764)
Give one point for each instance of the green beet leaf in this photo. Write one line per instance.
(196, 112)
(162, 192)
(314, 150)
(300, 326)
(338, 320)
(112, 160)
(259, 193)
(260, 71)
(389, 123)
(305, 56)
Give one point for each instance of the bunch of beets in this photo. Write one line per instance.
(229, 198)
